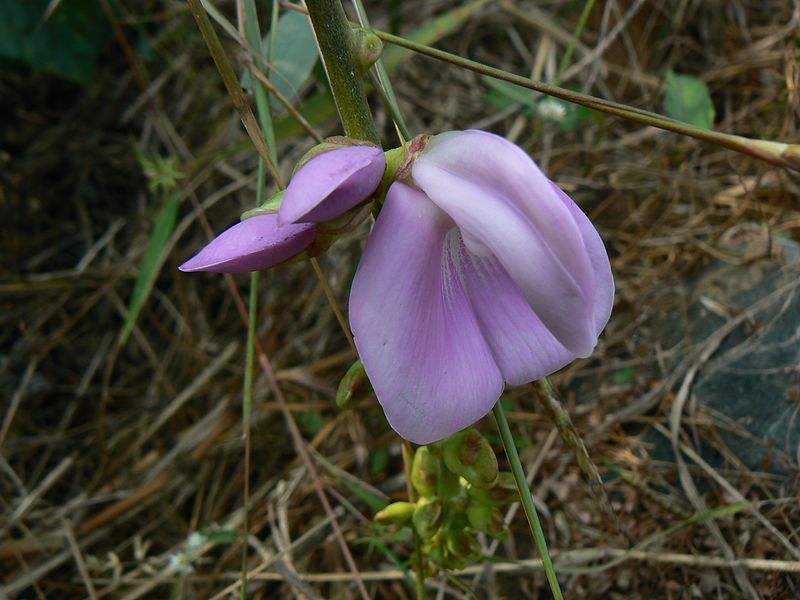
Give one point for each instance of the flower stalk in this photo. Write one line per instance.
(527, 499)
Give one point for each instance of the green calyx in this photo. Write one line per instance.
(427, 517)
(425, 472)
(270, 205)
(354, 387)
(470, 456)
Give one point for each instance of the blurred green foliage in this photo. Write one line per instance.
(65, 42)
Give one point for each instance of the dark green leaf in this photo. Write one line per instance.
(67, 43)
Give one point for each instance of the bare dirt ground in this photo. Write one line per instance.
(122, 466)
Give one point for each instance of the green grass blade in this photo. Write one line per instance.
(150, 266)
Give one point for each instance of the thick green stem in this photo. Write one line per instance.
(334, 37)
(527, 499)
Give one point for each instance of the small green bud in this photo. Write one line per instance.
(487, 519)
(503, 491)
(427, 517)
(469, 455)
(354, 387)
(462, 543)
(367, 48)
(425, 471)
(397, 513)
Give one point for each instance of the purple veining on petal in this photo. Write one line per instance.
(552, 291)
(256, 243)
(523, 348)
(332, 183)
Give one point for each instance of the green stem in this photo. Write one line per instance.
(576, 35)
(419, 563)
(784, 155)
(384, 84)
(247, 410)
(527, 499)
(334, 37)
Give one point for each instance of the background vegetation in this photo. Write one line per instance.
(121, 464)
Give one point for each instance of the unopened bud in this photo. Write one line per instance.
(462, 543)
(469, 455)
(354, 387)
(425, 471)
(503, 491)
(427, 517)
(367, 48)
(488, 520)
(397, 513)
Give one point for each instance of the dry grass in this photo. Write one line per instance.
(112, 457)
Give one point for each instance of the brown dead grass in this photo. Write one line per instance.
(112, 458)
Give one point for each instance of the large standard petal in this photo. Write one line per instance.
(332, 183)
(522, 346)
(493, 162)
(253, 244)
(413, 325)
(601, 267)
(539, 271)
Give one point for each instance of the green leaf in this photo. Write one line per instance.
(66, 43)
(687, 99)
(295, 55)
(311, 422)
(552, 110)
(151, 264)
(225, 536)
(379, 462)
(514, 93)
(625, 375)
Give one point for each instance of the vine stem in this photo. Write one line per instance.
(527, 499)
(777, 153)
(334, 38)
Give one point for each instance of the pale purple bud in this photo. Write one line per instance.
(332, 183)
(253, 244)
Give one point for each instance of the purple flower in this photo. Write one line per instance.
(479, 271)
(325, 187)
(332, 183)
(256, 243)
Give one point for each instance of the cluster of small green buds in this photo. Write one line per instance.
(460, 491)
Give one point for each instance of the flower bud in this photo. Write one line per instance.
(487, 519)
(469, 455)
(256, 243)
(397, 513)
(427, 517)
(353, 388)
(332, 181)
(367, 48)
(502, 492)
(425, 471)
(462, 543)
